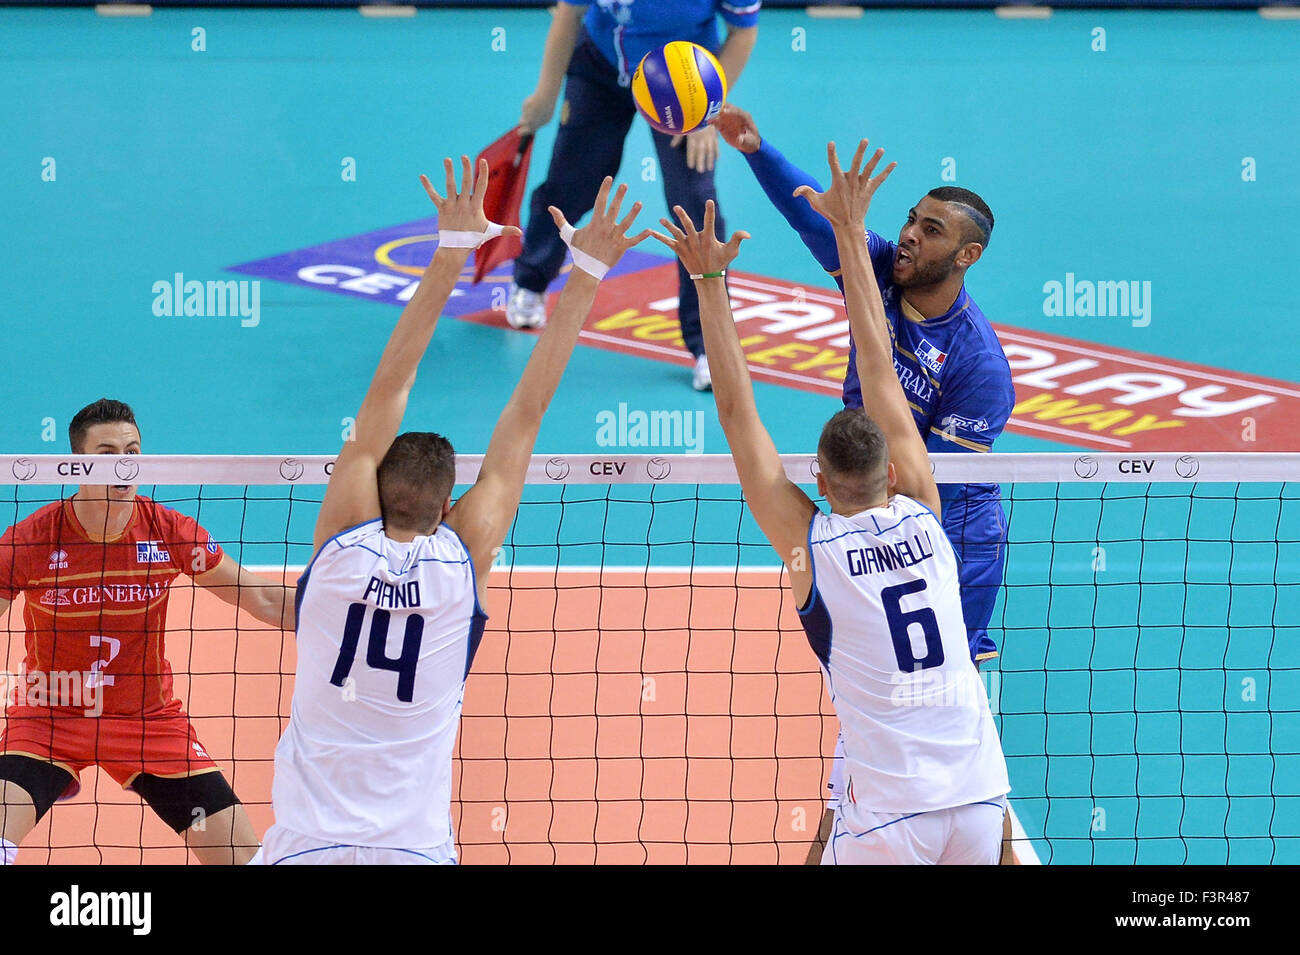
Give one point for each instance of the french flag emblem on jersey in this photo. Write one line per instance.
(931, 356)
(151, 552)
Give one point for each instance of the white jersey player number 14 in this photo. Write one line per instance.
(377, 657)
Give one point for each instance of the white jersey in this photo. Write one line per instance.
(386, 635)
(885, 620)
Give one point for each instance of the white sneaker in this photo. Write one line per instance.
(701, 379)
(525, 309)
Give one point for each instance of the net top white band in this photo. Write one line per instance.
(309, 470)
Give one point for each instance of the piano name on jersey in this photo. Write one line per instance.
(395, 596)
(875, 560)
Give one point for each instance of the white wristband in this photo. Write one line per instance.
(589, 264)
(469, 240)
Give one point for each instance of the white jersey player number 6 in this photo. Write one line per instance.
(377, 657)
(900, 627)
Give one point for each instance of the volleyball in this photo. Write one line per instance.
(679, 87)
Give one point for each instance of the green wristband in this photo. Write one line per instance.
(710, 275)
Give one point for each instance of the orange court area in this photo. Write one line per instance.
(611, 716)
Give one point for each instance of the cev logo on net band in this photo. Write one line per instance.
(1186, 467)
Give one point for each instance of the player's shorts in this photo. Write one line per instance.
(285, 847)
(963, 835)
(981, 578)
(835, 785)
(123, 746)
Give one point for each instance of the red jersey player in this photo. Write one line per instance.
(96, 688)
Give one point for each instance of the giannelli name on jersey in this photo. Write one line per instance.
(873, 560)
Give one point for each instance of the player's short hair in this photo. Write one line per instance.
(979, 217)
(415, 479)
(103, 411)
(854, 457)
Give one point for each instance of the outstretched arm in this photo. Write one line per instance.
(268, 601)
(781, 509)
(353, 493)
(779, 179)
(483, 514)
(844, 205)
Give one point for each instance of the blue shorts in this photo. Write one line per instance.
(981, 576)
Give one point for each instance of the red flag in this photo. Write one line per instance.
(508, 171)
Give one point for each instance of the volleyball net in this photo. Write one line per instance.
(644, 692)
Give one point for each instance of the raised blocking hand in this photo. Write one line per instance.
(462, 210)
(604, 238)
(701, 251)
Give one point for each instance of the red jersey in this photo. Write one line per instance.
(96, 611)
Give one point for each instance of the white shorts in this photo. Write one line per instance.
(285, 847)
(963, 835)
(836, 783)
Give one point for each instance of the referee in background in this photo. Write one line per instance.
(596, 48)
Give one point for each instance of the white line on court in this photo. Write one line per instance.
(1020, 842)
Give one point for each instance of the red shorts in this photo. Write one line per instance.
(123, 746)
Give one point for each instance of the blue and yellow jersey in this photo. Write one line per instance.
(626, 30)
(952, 368)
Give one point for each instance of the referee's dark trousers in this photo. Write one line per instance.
(594, 122)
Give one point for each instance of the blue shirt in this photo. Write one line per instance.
(625, 31)
(952, 367)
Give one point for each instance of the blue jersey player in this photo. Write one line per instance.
(947, 357)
